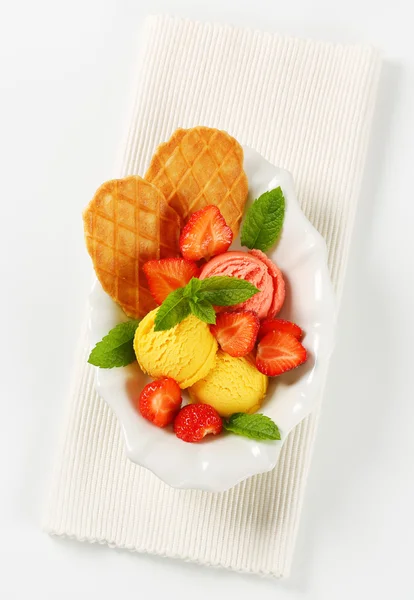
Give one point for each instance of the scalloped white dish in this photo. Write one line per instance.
(221, 462)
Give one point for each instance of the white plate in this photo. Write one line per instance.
(219, 463)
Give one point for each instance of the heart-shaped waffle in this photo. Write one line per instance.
(198, 167)
(127, 223)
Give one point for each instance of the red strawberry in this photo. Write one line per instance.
(160, 401)
(268, 325)
(279, 352)
(236, 332)
(195, 421)
(166, 275)
(206, 234)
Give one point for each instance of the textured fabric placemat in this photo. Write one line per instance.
(307, 107)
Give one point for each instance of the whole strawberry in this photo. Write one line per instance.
(195, 421)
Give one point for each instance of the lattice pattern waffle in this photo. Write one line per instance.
(127, 223)
(198, 167)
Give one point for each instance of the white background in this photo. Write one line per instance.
(66, 71)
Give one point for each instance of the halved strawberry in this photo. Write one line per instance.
(206, 234)
(236, 332)
(166, 275)
(160, 401)
(279, 352)
(268, 325)
(195, 421)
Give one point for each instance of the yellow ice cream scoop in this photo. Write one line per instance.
(185, 352)
(234, 385)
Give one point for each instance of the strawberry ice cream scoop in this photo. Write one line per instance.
(253, 266)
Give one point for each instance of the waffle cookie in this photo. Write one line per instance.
(198, 167)
(127, 223)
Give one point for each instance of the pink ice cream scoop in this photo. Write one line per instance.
(253, 266)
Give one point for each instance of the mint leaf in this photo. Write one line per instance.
(204, 311)
(172, 311)
(255, 427)
(116, 349)
(192, 287)
(226, 291)
(264, 219)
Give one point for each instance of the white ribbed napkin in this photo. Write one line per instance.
(307, 107)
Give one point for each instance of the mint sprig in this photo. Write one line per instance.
(116, 349)
(198, 297)
(256, 426)
(264, 220)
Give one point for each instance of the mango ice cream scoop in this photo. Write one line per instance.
(234, 385)
(186, 352)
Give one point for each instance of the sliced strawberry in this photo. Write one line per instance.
(160, 401)
(279, 352)
(195, 421)
(166, 275)
(206, 234)
(268, 325)
(236, 332)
